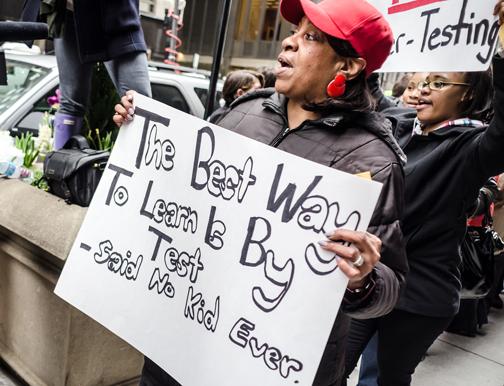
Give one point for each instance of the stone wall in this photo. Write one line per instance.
(42, 338)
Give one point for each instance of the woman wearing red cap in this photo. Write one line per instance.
(322, 111)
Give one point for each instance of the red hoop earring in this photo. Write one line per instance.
(337, 86)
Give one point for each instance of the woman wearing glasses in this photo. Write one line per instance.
(451, 152)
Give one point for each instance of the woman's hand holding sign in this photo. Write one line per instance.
(125, 110)
(357, 260)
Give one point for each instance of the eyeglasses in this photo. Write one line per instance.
(436, 85)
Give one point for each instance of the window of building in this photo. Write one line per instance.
(258, 19)
(271, 21)
(147, 6)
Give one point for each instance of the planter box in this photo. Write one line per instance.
(42, 338)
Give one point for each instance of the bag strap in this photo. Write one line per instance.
(77, 142)
(66, 191)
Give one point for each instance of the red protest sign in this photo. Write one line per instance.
(402, 6)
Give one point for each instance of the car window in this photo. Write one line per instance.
(203, 93)
(21, 77)
(31, 121)
(43, 103)
(169, 95)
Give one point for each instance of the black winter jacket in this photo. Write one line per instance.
(105, 29)
(108, 29)
(353, 143)
(444, 173)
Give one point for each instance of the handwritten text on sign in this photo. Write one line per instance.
(200, 249)
(440, 35)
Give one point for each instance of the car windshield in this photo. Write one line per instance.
(21, 77)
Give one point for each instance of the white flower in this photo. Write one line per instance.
(44, 141)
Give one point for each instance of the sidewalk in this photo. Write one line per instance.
(464, 361)
(455, 360)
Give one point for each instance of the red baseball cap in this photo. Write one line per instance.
(355, 21)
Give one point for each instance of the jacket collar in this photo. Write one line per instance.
(278, 104)
(456, 127)
(372, 122)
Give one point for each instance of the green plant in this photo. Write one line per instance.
(101, 141)
(26, 144)
(39, 181)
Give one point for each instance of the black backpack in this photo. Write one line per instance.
(74, 171)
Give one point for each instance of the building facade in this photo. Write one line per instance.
(254, 35)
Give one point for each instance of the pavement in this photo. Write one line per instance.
(453, 360)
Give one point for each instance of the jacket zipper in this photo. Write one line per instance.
(279, 137)
(284, 132)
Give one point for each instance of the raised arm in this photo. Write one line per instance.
(491, 143)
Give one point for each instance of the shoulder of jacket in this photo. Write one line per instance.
(261, 93)
(379, 136)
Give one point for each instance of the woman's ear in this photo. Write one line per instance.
(239, 93)
(352, 67)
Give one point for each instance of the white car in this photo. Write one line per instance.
(33, 78)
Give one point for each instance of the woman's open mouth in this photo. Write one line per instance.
(285, 66)
(422, 104)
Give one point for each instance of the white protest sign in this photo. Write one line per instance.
(440, 35)
(200, 250)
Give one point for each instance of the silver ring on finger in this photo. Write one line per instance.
(359, 261)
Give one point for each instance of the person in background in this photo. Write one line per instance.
(451, 154)
(84, 33)
(368, 371)
(409, 97)
(321, 110)
(494, 298)
(399, 86)
(477, 266)
(269, 76)
(237, 83)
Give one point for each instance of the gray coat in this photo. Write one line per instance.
(354, 143)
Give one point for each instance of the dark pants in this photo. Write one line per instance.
(403, 339)
(128, 72)
(153, 375)
(368, 372)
